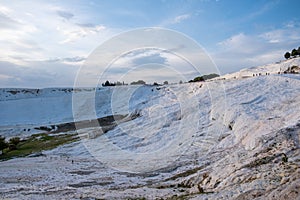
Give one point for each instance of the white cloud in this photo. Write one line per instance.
(4, 77)
(76, 32)
(153, 65)
(40, 31)
(43, 44)
(281, 35)
(5, 10)
(174, 20)
(77, 60)
(239, 44)
(243, 50)
(37, 75)
(181, 18)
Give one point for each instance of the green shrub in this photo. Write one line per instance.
(15, 141)
(3, 144)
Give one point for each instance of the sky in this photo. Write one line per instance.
(46, 43)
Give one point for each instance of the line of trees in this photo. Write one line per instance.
(142, 82)
(294, 53)
(107, 83)
(139, 82)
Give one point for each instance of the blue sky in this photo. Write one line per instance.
(44, 43)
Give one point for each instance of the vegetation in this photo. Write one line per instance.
(139, 82)
(142, 82)
(294, 53)
(287, 55)
(13, 142)
(197, 79)
(118, 83)
(3, 144)
(107, 83)
(34, 144)
(204, 77)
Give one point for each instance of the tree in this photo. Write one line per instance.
(199, 78)
(14, 140)
(139, 82)
(180, 82)
(3, 144)
(294, 53)
(287, 55)
(204, 78)
(107, 83)
(118, 83)
(210, 76)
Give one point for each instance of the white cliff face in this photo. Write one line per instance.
(231, 139)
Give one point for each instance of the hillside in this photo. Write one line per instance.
(273, 68)
(232, 139)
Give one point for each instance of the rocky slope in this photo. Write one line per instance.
(232, 139)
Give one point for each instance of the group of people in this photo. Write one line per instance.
(259, 74)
